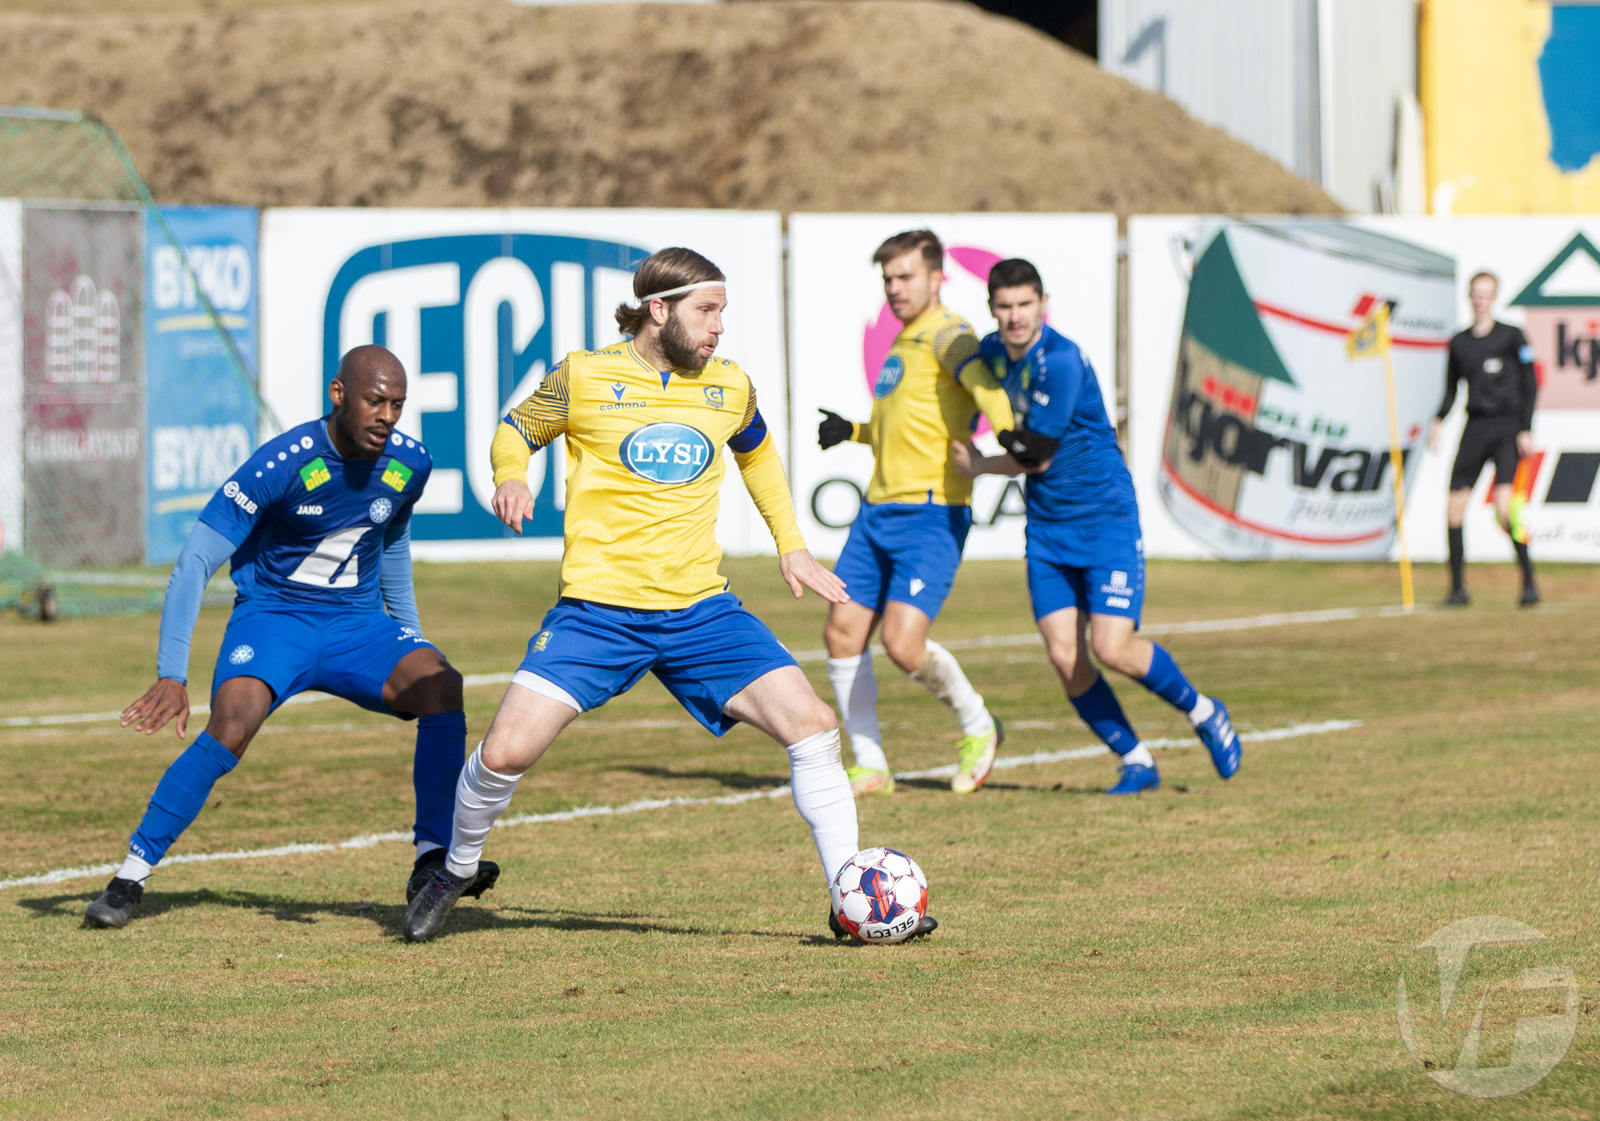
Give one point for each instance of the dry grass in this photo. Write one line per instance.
(884, 105)
(1212, 950)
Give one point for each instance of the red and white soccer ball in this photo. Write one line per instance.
(880, 895)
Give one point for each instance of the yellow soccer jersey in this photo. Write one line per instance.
(919, 406)
(644, 468)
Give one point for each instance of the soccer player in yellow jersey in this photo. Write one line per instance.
(905, 545)
(645, 423)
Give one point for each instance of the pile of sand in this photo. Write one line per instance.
(878, 105)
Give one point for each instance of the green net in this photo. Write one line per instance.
(77, 216)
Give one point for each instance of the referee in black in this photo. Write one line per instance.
(1496, 362)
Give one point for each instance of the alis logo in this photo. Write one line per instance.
(480, 318)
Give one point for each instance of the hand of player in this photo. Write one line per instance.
(1524, 444)
(802, 570)
(1433, 436)
(165, 700)
(834, 429)
(513, 503)
(961, 456)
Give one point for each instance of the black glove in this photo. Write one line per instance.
(1028, 448)
(834, 429)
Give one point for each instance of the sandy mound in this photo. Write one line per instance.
(878, 105)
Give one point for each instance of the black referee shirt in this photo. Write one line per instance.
(1498, 370)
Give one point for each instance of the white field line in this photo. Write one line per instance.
(62, 875)
(1202, 626)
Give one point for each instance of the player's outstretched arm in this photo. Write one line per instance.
(168, 699)
(802, 570)
(972, 463)
(513, 501)
(835, 429)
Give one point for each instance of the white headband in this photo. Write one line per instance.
(643, 300)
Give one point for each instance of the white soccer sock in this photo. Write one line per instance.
(822, 795)
(425, 847)
(940, 674)
(855, 689)
(481, 796)
(1139, 756)
(135, 868)
(1202, 710)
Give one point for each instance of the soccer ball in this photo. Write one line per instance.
(880, 895)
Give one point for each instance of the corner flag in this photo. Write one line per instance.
(1371, 340)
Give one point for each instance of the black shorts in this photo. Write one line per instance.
(1486, 438)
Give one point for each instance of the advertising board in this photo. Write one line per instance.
(1549, 276)
(479, 305)
(202, 410)
(841, 329)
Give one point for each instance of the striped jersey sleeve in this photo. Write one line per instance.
(752, 428)
(953, 344)
(543, 416)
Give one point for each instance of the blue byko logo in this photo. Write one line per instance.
(889, 376)
(477, 320)
(666, 453)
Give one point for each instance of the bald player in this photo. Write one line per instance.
(317, 524)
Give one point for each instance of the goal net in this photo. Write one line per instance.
(77, 225)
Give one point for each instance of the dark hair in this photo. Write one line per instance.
(1014, 272)
(1484, 275)
(910, 241)
(663, 271)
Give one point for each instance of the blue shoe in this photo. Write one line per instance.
(1136, 777)
(1217, 733)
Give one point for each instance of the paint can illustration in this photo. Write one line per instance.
(1277, 445)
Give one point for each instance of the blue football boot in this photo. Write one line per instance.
(1136, 777)
(1216, 732)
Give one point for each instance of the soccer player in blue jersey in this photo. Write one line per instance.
(317, 524)
(1085, 551)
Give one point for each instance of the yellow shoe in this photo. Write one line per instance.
(865, 780)
(977, 759)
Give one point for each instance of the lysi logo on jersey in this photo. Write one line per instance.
(666, 453)
(240, 499)
(315, 473)
(396, 475)
(309, 511)
(889, 375)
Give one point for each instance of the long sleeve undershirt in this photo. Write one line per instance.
(394, 578)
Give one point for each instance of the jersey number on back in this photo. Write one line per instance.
(332, 564)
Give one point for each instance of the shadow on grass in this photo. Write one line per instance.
(467, 917)
(738, 780)
(1036, 788)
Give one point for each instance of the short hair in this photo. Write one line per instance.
(1484, 274)
(1014, 272)
(663, 271)
(910, 241)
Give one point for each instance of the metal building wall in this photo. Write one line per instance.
(1249, 67)
(1369, 63)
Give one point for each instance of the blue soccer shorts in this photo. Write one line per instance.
(1098, 570)
(704, 654)
(347, 653)
(903, 552)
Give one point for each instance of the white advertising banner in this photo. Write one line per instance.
(10, 374)
(478, 305)
(1252, 433)
(841, 329)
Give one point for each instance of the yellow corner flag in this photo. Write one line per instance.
(1371, 340)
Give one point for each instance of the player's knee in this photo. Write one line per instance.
(231, 732)
(839, 640)
(1113, 651)
(1064, 656)
(907, 652)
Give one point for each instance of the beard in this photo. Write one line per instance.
(680, 351)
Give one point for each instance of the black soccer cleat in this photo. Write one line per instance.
(927, 926)
(425, 917)
(1530, 596)
(1457, 598)
(488, 875)
(116, 904)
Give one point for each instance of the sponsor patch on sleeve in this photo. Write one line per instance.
(397, 474)
(315, 473)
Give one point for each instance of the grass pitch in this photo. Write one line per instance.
(1210, 950)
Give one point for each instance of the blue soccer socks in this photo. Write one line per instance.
(179, 796)
(441, 749)
(1103, 713)
(1166, 681)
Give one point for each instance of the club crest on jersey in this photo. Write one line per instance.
(713, 396)
(396, 475)
(666, 453)
(889, 375)
(380, 510)
(315, 473)
(240, 655)
(541, 642)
